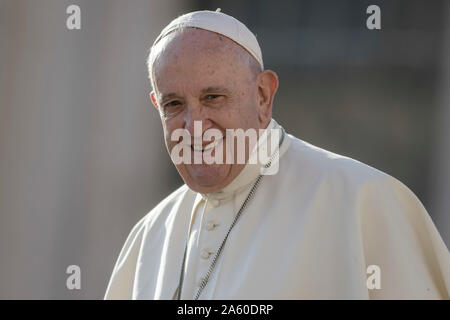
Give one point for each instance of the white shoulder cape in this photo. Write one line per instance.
(310, 232)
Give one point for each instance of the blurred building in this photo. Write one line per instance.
(82, 157)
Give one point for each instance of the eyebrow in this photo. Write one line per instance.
(214, 89)
(168, 96)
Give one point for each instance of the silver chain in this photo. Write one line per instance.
(250, 195)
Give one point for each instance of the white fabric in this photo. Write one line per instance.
(220, 23)
(212, 216)
(310, 232)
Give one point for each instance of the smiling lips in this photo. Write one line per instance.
(207, 147)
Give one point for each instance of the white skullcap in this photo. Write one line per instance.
(218, 22)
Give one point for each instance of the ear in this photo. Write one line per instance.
(153, 98)
(267, 84)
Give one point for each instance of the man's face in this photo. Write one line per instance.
(203, 76)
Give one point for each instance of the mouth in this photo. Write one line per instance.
(209, 146)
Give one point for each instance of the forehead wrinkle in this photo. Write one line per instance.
(185, 39)
(189, 39)
(214, 89)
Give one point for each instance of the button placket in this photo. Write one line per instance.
(206, 254)
(210, 225)
(199, 282)
(210, 239)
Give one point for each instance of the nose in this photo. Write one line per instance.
(197, 121)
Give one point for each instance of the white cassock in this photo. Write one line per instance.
(311, 231)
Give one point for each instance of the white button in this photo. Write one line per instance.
(205, 254)
(199, 283)
(210, 225)
(214, 202)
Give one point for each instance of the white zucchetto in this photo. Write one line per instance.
(220, 23)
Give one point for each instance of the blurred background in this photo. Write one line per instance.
(82, 157)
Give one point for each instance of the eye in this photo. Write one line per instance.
(171, 109)
(172, 103)
(212, 96)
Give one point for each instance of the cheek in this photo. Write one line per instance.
(247, 114)
(169, 127)
(240, 110)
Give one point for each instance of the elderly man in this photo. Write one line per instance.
(320, 226)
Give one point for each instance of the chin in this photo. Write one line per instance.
(206, 178)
